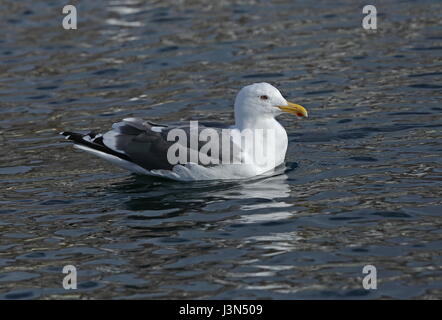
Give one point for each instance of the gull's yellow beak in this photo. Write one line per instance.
(295, 109)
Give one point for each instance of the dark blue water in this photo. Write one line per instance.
(361, 185)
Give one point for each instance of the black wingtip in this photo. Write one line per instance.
(70, 135)
(96, 143)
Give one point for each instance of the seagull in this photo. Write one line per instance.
(144, 147)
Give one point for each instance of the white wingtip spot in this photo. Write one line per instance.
(130, 119)
(157, 129)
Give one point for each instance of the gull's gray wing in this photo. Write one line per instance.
(144, 142)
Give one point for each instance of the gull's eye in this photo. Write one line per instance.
(264, 97)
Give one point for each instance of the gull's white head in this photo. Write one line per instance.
(260, 100)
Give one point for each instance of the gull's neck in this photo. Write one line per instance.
(255, 122)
